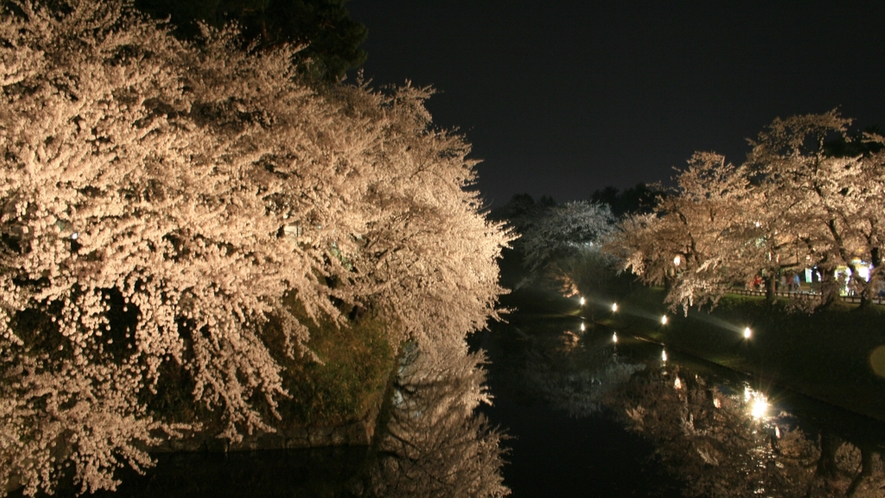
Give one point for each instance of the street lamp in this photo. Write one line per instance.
(614, 307)
(747, 333)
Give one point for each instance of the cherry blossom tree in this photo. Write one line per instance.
(828, 203)
(163, 202)
(564, 242)
(563, 229)
(792, 205)
(868, 225)
(696, 243)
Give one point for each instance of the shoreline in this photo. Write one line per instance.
(828, 355)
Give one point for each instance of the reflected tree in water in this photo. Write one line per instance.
(707, 435)
(711, 438)
(574, 374)
(434, 444)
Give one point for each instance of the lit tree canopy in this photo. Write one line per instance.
(565, 228)
(696, 240)
(828, 207)
(162, 203)
(792, 205)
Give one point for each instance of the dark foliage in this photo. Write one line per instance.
(330, 38)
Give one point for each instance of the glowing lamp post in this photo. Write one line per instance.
(664, 320)
(582, 327)
(614, 307)
(615, 337)
(747, 333)
(582, 301)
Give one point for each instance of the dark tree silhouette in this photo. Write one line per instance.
(330, 38)
(635, 200)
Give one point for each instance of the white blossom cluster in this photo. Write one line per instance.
(160, 199)
(566, 229)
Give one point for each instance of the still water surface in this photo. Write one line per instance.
(591, 416)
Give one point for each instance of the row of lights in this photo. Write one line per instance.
(758, 407)
(584, 301)
(748, 333)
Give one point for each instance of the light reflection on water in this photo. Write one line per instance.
(718, 432)
(715, 432)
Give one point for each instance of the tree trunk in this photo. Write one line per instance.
(826, 466)
(771, 287)
(866, 294)
(829, 287)
(669, 282)
(870, 288)
(866, 470)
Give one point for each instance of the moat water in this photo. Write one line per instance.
(584, 415)
(597, 412)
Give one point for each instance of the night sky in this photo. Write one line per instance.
(562, 98)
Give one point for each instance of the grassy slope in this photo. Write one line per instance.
(348, 386)
(827, 355)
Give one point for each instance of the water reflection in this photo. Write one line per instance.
(575, 372)
(725, 443)
(434, 444)
(718, 434)
(719, 443)
(713, 430)
(430, 442)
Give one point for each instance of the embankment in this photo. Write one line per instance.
(836, 355)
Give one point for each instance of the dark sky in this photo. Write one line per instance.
(564, 97)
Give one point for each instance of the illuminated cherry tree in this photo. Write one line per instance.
(564, 242)
(161, 202)
(696, 243)
(793, 205)
(829, 204)
(564, 229)
(868, 224)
